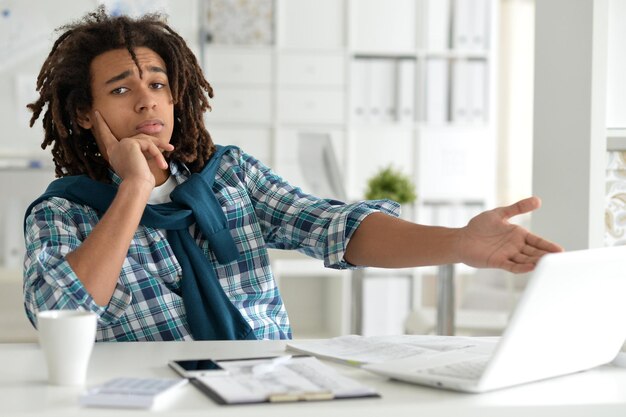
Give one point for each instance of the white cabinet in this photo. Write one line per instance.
(322, 69)
(407, 83)
(310, 25)
(308, 106)
(310, 88)
(241, 105)
(239, 66)
(242, 84)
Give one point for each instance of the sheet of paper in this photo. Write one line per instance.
(298, 377)
(359, 350)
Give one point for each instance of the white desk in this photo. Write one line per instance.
(23, 389)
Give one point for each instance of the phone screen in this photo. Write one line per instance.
(199, 365)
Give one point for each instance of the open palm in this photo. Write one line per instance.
(490, 241)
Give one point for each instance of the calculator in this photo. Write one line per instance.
(131, 392)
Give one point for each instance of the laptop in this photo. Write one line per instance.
(571, 317)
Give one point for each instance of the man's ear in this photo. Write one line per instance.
(84, 119)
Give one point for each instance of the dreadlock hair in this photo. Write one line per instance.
(64, 87)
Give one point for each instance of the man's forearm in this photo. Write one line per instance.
(388, 242)
(98, 260)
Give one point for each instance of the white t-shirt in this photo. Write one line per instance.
(161, 193)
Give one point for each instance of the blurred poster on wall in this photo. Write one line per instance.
(240, 22)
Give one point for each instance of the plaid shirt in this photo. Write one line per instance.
(263, 211)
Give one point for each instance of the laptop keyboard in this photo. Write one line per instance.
(466, 370)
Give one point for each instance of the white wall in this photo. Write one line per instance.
(616, 71)
(26, 36)
(515, 101)
(569, 152)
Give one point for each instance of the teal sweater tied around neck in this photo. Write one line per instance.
(210, 314)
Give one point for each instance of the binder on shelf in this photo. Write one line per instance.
(462, 22)
(376, 88)
(405, 91)
(470, 29)
(469, 91)
(438, 24)
(461, 92)
(382, 100)
(478, 82)
(437, 91)
(360, 90)
(479, 29)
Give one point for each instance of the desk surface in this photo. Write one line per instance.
(23, 389)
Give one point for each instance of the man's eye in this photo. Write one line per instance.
(119, 90)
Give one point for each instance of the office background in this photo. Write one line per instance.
(446, 97)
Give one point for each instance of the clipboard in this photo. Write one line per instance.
(278, 380)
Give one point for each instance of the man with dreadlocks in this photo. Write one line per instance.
(163, 234)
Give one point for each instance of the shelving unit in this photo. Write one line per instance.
(23, 178)
(404, 82)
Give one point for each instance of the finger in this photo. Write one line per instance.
(518, 268)
(162, 144)
(542, 244)
(520, 258)
(530, 250)
(151, 151)
(523, 206)
(533, 251)
(102, 131)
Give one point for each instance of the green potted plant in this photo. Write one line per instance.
(391, 184)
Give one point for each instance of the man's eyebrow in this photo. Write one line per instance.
(118, 77)
(157, 69)
(127, 73)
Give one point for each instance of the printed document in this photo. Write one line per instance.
(359, 350)
(274, 380)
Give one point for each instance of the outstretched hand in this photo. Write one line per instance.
(490, 241)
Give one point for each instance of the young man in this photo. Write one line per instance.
(163, 234)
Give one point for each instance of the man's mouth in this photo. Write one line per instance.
(150, 127)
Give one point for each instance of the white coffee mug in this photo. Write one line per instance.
(67, 338)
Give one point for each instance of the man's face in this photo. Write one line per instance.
(131, 105)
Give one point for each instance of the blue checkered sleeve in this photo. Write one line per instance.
(54, 229)
(292, 219)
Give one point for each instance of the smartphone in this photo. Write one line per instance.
(197, 367)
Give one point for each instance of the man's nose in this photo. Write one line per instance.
(145, 101)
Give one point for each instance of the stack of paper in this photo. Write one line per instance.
(358, 350)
